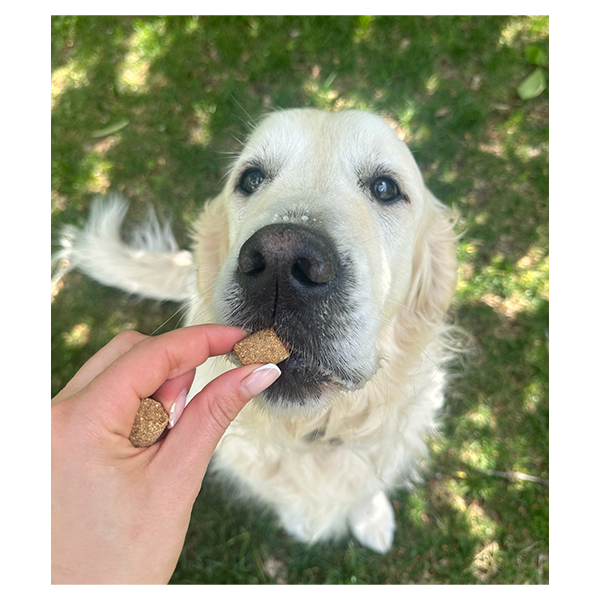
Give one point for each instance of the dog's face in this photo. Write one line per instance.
(323, 214)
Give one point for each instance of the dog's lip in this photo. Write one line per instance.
(297, 361)
(285, 344)
(298, 365)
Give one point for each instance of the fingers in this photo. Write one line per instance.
(186, 451)
(172, 394)
(141, 371)
(118, 346)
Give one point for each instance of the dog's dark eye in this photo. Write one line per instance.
(251, 180)
(386, 191)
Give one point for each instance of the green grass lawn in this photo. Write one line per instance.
(151, 107)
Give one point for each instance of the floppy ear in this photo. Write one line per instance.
(434, 265)
(211, 243)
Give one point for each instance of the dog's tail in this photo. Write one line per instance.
(151, 265)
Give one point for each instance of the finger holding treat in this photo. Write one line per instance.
(113, 497)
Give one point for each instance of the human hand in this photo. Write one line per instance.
(120, 514)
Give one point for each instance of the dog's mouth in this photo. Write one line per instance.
(307, 378)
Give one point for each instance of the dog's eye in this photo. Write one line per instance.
(386, 191)
(251, 180)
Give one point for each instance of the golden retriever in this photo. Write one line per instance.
(326, 232)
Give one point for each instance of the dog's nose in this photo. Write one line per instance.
(285, 260)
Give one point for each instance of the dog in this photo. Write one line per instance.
(325, 232)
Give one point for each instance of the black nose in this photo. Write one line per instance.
(287, 261)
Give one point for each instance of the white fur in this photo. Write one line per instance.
(325, 470)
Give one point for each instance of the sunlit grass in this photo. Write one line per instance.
(524, 28)
(145, 45)
(71, 76)
(78, 336)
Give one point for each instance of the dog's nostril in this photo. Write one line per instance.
(251, 262)
(300, 272)
(312, 272)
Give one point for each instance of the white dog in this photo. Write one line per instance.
(326, 232)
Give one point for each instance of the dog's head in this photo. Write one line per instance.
(325, 232)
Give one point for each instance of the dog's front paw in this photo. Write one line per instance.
(296, 528)
(373, 524)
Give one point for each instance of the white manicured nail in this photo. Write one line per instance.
(177, 408)
(260, 379)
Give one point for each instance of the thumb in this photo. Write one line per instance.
(188, 448)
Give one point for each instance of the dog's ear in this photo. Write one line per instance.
(434, 265)
(211, 243)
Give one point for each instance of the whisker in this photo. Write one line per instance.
(231, 132)
(251, 122)
(185, 307)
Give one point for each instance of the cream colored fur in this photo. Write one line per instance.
(326, 469)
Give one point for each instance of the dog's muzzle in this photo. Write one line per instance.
(292, 278)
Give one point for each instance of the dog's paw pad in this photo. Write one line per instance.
(373, 524)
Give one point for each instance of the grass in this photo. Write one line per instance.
(151, 106)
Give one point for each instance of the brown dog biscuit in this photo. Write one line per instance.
(261, 347)
(150, 421)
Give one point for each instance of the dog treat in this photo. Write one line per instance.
(150, 421)
(261, 347)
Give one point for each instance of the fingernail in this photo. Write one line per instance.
(177, 409)
(260, 379)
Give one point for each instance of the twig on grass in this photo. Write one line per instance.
(515, 475)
